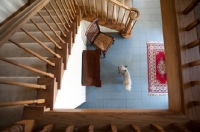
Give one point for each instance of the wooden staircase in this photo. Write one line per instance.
(31, 75)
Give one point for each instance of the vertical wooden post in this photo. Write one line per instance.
(126, 33)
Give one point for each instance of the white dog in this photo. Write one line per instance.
(125, 73)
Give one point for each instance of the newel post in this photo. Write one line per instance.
(127, 31)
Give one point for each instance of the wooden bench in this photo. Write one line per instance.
(91, 68)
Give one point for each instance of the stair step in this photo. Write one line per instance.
(17, 93)
(22, 37)
(32, 28)
(12, 50)
(11, 70)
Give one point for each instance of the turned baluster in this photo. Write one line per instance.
(72, 4)
(58, 36)
(69, 129)
(67, 13)
(113, 12)
(35, 101)
(15, 128)
(96, 8)
(84, 7)
(123, 17)
(191, 6)
(102, 9)
(63, 15)
(194, 63)
(90, 7)
(157, 128)
(47, 128)
(91, 128)
(54, 42)
(29, 85)
(194, 43)
(28, 68)
(70, 10)
(118, 13)
(39, 42)
(135, 128)
(193, 25)
(113, 128)
(57, 16)
(33, 53)
(107, 10)
(56, 22)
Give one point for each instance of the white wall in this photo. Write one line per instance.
(72, 93)
(8, 7)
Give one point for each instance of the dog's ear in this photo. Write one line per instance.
(126, 66)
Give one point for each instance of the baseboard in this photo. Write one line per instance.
(14, 14)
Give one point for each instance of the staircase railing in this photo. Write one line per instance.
(111, 14)
(66, 21)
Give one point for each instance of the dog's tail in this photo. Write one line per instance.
(128, 88)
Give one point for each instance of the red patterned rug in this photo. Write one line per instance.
(157, 79)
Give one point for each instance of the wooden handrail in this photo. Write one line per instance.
(190, 7)
(33, 53)
(8, 29)
(29, 85)
(35, 101)
(51, 27)
(41, 43)
(28, 68)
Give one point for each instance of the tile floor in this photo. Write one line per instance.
(132, 52)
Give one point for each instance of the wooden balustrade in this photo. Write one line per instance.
(194, 63)
(47, 128)
(179, 128)
(33, 53)
(28, 85)
(190, 7)
(54, 42)
(35, 101)
(69, 6)
(41, 43)
(55, 22)
(70, 129)
(69, 16)
(58, 15)
(193, 25)
(91, 128)
(113, 128)
(83, 4)
(157, 128)
(28, 68)
(135, 128)
(58, 36)
(194, 43)
(72, 3)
